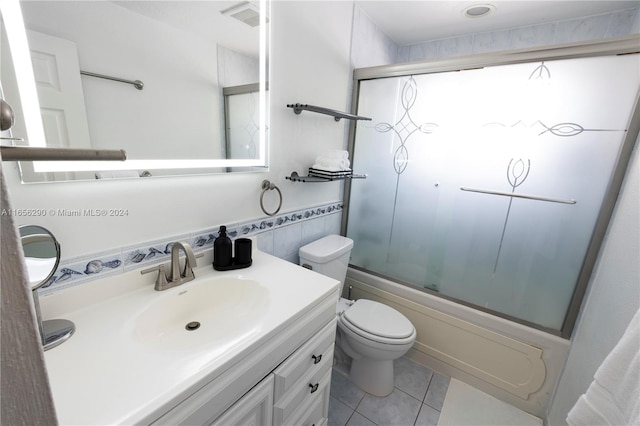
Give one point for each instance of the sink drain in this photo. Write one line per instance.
(193, 325)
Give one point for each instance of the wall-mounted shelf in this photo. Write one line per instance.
(337, 115)
(295, 177)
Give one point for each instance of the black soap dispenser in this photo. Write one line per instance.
(222, 250)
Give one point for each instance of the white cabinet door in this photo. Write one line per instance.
(255, 408)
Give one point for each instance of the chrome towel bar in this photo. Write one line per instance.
(136, 83)
(528, 197)
(337, 115)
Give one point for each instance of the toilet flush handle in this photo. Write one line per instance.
(316, 358)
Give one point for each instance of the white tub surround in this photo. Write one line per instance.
(110, 373)
(514, 363)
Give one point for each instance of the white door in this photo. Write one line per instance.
(57, 75)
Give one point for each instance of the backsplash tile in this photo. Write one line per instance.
(312, 230)
(280, 236)
(287, 241)
(80, 270)
(149, 253)
(462, 45)
(621, 23)
(265, 241)
(333, 224)
(534, 35)
(615, 24)
(492, 41)
(591, 28)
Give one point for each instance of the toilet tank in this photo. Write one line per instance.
(328, 256)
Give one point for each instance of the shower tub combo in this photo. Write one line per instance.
(491, 181)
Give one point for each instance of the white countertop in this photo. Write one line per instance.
(105, 375)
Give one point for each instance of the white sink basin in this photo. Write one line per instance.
(222, 312)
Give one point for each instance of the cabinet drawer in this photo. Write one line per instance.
(304, 392)
(255, 408)
(316, 413)
(305, 359)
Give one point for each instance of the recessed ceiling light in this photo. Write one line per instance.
(478, 10)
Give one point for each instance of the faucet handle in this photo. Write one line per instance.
(161, 279)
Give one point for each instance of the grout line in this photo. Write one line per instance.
(418, 415)
(349, 418)
(424, 398)
(408, 394)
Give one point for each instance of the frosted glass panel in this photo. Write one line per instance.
(485, 185)
(242, 121)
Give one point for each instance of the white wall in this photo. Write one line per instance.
(309, 64)
(612, 300)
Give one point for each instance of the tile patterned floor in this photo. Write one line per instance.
(417, 399)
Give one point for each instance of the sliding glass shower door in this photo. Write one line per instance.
(484, 185)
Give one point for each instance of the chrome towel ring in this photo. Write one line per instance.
(266, 185)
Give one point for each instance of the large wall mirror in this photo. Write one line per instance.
(149, 77)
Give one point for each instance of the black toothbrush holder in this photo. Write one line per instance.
(242, 258)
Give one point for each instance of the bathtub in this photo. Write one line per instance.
(515, 363)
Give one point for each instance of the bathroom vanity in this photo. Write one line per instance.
(261, 352)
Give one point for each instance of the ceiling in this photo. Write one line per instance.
(410, 22)
(405, 22)
(204, 18)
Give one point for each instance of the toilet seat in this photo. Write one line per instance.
(378, 322)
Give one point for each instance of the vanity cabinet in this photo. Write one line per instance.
(302, 380)
(255, 408)
(296, 393)
(285, 382)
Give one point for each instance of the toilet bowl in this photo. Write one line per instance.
(371, 333)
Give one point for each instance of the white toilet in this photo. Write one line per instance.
(371, 333)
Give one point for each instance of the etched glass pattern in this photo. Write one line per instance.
(485, 185)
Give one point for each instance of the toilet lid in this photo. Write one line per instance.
(378, 319)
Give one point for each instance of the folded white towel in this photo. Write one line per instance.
(613, 398)
(116, 174)
(336, 153)
(340, 163)
(330, 168)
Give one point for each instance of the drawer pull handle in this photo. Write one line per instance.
(316, 359)
(313, 387)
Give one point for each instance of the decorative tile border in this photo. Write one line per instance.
(80, 270)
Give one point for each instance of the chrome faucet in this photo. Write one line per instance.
(177, 277)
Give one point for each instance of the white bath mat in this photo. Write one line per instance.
(465, 405)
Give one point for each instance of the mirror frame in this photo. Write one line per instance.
(16, 34)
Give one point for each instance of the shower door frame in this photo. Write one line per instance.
(608, 47)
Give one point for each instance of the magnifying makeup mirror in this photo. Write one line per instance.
(42, 256)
